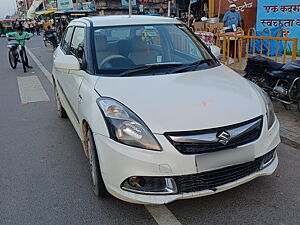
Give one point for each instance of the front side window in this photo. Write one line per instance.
(65, 45)
(148, 49)
(77, 44)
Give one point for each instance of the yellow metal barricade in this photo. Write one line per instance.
(235, 48)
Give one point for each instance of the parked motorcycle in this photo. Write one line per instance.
(50, 39)
(280, 81)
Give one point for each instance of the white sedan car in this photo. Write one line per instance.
(159, 117)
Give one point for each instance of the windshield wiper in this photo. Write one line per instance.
(147, 68)
(193, 65)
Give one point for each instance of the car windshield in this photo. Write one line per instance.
(148, 49)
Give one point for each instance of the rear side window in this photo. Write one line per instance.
(66, 43)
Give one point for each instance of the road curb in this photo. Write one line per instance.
(290, 142)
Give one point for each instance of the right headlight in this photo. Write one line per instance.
(269, 106)
(126, 127)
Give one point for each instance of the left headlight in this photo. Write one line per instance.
(126, 127)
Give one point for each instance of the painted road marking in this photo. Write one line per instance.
(31, 90)
(162, 215)
(40, 65)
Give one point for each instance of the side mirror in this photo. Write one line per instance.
(216, 51)
(66, 62)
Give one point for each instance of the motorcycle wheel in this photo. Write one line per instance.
(12, 60)
(298, 104)
(45, 43)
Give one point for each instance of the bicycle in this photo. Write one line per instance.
(15, 53)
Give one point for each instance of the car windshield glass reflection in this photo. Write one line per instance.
(148, 49)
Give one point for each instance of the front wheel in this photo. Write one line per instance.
(12, 59)
(96, 177)
(60, 109)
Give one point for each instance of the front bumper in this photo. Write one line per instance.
(118, 162)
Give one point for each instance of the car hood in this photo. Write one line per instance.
(186, 101)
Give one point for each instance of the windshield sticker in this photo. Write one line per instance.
(159, 59)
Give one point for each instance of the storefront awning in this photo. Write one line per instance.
(42, 12)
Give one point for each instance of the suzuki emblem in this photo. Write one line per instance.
(224, 137)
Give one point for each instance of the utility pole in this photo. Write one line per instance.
(26, 6)
(189, 13)
(169, 8)
(130, 7)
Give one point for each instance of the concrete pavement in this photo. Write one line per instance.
(44, 175)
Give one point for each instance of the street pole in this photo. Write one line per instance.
(26, 6)
(189, 13)
(169, 8)
(219, 10)
(130, 7)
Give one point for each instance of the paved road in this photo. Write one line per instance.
(44, 175)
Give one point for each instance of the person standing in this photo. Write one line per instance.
(26, 25)
(232, 18)
(37, 27)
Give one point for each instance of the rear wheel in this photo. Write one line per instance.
(96, 177)
(298, 104)
(12, 60)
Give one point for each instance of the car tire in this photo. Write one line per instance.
(96, 177)
(60, 109)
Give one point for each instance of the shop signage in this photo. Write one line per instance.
(125, 3)
(277, 13)
(90, 6)
(64, 4)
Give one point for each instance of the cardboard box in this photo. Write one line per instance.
(199, 26)
(212, 26)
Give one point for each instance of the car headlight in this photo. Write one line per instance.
(269, 106)
(126, 127)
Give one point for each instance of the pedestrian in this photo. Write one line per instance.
(37, 27)
(31, 26)
(232, 18)
(26, 25)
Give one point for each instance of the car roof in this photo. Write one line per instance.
(121, 20)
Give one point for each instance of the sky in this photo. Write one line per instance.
(7, 7)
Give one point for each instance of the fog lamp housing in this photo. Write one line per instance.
(150, 185)
(268, 159)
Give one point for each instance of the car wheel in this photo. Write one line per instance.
(60, 109)
(96, 177)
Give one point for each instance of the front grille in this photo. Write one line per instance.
(212, 179)
(189, 144)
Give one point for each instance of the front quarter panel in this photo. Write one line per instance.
(88, 108)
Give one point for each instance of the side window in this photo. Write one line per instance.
(77, 44)
(182, 43)
(65, 45)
